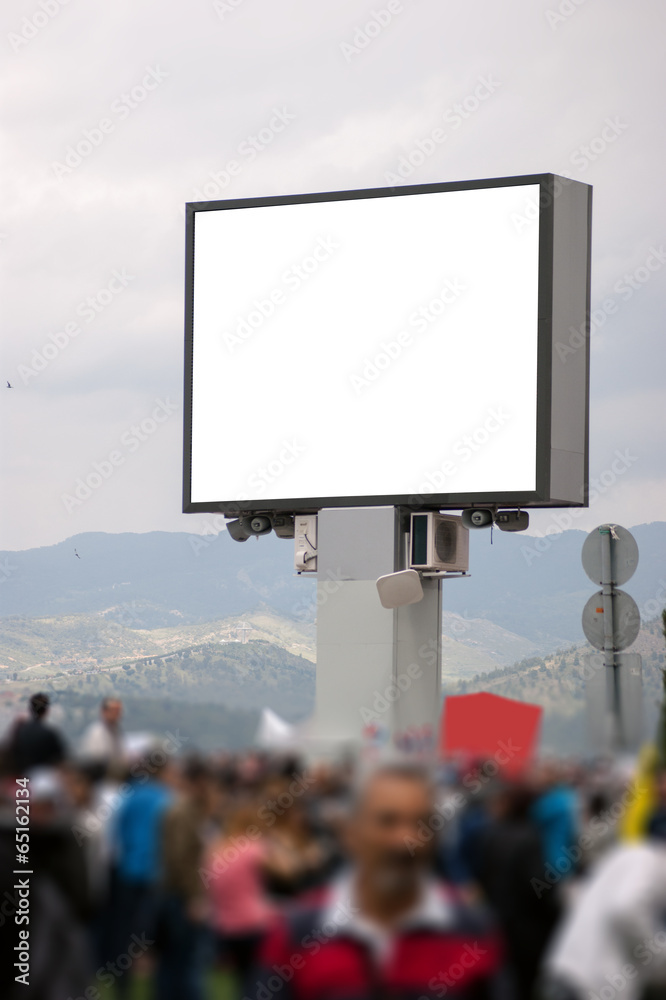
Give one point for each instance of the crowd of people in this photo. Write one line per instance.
(261, 875)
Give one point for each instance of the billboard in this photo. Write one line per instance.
(394, 346)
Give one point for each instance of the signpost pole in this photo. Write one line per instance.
(607, 591)
(611, 623)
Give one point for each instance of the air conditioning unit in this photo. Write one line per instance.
(438, 542)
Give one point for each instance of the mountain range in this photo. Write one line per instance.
(202, 621)
(532, 587)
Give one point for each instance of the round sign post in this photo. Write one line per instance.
(611, 619)
(625, 625)
(623, 555)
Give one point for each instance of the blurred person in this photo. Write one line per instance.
(386, 927)
(91, 822)
(34, 743)
(327, 806)
(656, 823)
(8, 986)
(101, 743)
(555, 811)
(137, 843)
(458, 855)
(599, 830)
(61, 960)
(226, 787)
(235, 868)
(511, 857)
(613, 941)
(183, 935)
(251, 767)
(300, 856)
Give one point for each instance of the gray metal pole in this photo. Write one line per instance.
(607, 591)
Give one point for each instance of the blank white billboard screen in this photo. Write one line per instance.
(371, 347)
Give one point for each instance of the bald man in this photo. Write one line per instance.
(386, 927)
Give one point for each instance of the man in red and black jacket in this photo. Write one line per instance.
(386, 929)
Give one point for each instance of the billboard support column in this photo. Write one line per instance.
(378, 670)
(418, 671)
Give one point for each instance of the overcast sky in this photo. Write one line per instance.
(160, 96)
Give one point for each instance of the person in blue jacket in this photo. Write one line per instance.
(138, 866)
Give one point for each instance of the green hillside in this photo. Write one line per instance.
(264, 659)
(557, 683)
(115, 635)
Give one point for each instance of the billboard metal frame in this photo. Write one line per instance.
(554, 253)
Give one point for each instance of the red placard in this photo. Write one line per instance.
(486, 726)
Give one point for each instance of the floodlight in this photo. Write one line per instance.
(283, 525)
(237, 530)
(512, 520)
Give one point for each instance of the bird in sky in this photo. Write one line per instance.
(9, 385)
(77, 554)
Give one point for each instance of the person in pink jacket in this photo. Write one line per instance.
(235, 867)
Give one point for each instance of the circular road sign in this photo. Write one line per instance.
(626, 620)
(624, 554)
